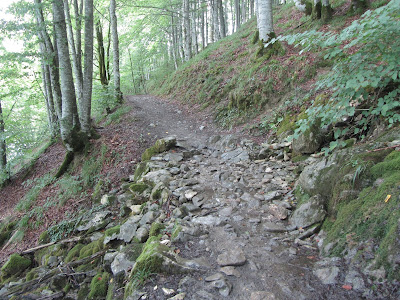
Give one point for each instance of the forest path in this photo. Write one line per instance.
(233, 211)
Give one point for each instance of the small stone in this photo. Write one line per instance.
(233, 257)
(142, 234)
(327, 275)
(180, 296)
(135, 209)
(262, 295)
(225, 212)
(189, 194)
(278, 212)
(216, 276)
(230, 271)
(121, 264)
(168, 292)
(268, 170)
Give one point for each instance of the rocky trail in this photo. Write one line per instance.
(204, 216)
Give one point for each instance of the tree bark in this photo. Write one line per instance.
(265, 21)
(69, 123)
(3, 148)
(237, 14)
(78, 10)
(74, 50)
(186, 30)
(101, 54)
(222, 19)
(115, 42)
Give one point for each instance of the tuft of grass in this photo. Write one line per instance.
(116, 116)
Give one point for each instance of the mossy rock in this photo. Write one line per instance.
(177, 229)
(15, 265)
(112, 230)
(151, 258)
(99, 286)
(74, 252)
(138, 187)
(141, 170)
(6, 229)
(32, 274)
(160, 146)
(83, 292)
(97, 191)
(156, 229)
(91, 248)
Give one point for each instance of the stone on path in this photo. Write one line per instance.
(232, 257)
(262, 295)
(327, 275)
(309, 213)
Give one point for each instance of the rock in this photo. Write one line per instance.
(180, 296)
(309, 213)
(223, 286)
(230, 271)
(236, 155)
(128, 229)
(189, 194)
(262, 295)
(232, 257)
(216, 276)
(159, 176)
(274, 227)
(135, 209)
(15, 265)
(58, 282)
(354, 278)
(121, 264)
(148, 218)
(207, 220)
(107, 199)
(168, 292)
(225, 212)
(272, 195)
(96, 222)
(309, 141)
(142, 234)
(278, 212)
(327, 275)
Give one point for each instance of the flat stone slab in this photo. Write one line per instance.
(233, 257)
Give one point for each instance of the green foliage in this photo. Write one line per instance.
(91, 167)
(36, 185)
(365, 82)
(115, 117)
(74, 252)
(70, 187)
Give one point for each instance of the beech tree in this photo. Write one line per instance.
(115, 43)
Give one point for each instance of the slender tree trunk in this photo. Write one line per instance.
(237, 14)
(251, 7)
(222, 18)
(68, 122)
(243, 11)
(186, 30)
(326, 11)
(316, 11)
(108, 53)
(114, 35)
(101, 54)
(195, 44)
(202, 25)
(78, 10)
(86, 104)
(51, 58)
(3, 148)
(73, 50)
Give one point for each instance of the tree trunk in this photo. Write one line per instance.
(73, 50)
(101, 54)
(78, 10)
(50, 57)
(114, 35)
(86, 104)
(3, 148)
(237, 14)
(326, 11)
(222, 19)
(265, 21)
(358, 6)
(202, 33)
(186, 30)
(69, 124)
(316, 10)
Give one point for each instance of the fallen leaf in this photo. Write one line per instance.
(387, 198)
(347, 287)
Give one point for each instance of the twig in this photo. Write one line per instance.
(376, 150)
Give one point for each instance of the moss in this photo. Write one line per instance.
(91, 248)
(83, 292)
(134, 251)
(110, 291)
(156, 195)
(74, 252)
(69, 157)
(309, 8)
(316, 11)
(138, 187)
(255, 37)
(272, 49)
(368, 217)
(113, 230)
(176, 231)
(155, 229)
(44, 238)
(32, 274)
(67, 288)
(160, 146)
(141, 169)
(389, 165)
(150, 260)
(15, 265)
(96, 195)
(99, 286)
